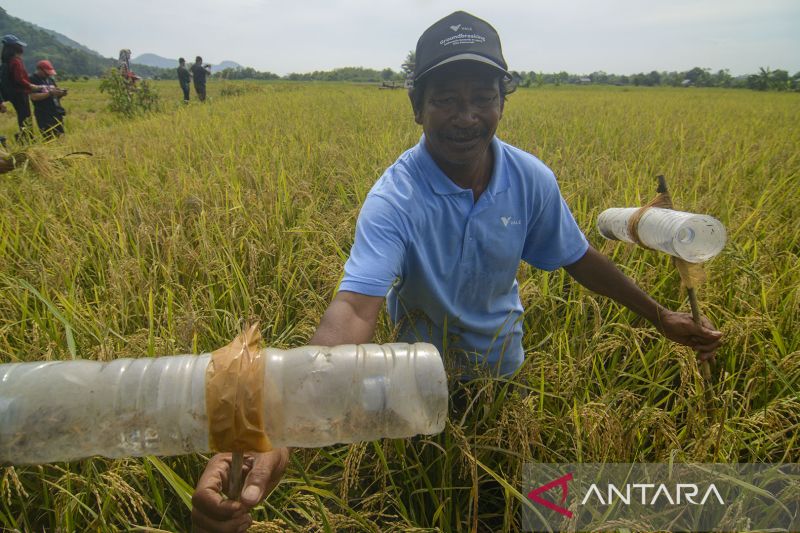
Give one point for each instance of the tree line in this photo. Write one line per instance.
(764, 80)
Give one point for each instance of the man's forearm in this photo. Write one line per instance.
(598, 274)
(349, 319)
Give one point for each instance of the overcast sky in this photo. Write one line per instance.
(579, 36)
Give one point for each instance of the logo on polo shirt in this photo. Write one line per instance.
(508, 220)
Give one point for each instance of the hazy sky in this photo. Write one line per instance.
(579, 36)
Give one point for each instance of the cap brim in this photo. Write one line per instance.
(464, 57)
(50, 72)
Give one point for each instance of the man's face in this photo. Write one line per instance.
(460, 110)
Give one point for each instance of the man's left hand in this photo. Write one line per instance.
(702, 338)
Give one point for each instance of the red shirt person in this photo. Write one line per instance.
(15, 82)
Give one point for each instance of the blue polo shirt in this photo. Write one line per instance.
(447, 265)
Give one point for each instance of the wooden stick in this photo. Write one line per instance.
(662, 184)
(693, 303)
(235, 479)
(705, 368)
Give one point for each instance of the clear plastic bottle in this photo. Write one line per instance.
(314, 396)
(692, 237)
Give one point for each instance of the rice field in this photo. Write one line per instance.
(184, 223)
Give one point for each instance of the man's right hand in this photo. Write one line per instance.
(213, 512)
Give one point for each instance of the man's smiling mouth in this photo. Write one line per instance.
(464, 138)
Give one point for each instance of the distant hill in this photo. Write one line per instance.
(155, 60)
(43, 45)
(66, 41)
(69, 57)
(225, 64)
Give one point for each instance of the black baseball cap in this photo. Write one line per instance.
(459, 37)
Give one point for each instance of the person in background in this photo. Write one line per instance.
(183, 78)
(124, 67)
(200, 72)
(16, 85)
(47, 103)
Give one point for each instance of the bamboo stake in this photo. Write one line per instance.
(705, 367)
(235, 479)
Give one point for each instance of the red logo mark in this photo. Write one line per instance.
(560, 482)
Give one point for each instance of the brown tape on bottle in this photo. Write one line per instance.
(662, 200)
(692, 275)
(234, 392)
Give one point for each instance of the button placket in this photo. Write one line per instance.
(466, 239)
(478, 207)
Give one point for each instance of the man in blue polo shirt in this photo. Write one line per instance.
(446, 258)
(441, 235)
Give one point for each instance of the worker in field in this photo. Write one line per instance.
(183, 79)
(199, 73)
(15, 85)
(47, 103)
(441, 234)
(124, 68)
